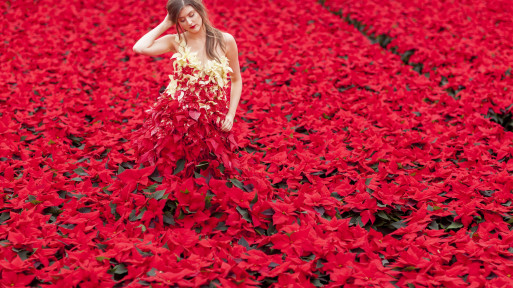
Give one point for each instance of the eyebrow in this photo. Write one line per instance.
(187, 14)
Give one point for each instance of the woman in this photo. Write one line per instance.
(189, 125)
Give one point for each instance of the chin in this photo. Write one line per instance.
(195, 30)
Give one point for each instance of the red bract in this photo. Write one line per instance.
(13, 279)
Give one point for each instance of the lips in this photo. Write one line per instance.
(192, 27)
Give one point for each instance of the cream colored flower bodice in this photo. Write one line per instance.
(213, 75)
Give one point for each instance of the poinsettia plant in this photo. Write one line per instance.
(360, 164)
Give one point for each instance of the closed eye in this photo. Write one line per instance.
(190, 15)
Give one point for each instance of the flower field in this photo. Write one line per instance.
(375, 143)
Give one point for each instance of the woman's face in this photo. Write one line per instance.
(190, 20)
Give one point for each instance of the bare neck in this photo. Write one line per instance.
(197, 37)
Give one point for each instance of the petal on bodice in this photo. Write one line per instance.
(195, 86)
(213, 71)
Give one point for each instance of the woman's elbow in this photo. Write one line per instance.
(236, 80)
(137, 49)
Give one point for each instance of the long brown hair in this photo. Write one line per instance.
(214, 36)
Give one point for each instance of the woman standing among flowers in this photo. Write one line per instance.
(190, 122)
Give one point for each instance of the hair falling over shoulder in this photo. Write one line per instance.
(214, 36)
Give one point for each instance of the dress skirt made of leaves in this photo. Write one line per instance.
(184, 124)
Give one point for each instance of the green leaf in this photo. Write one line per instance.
(80, 171)
(4, 217)
(237, 183)
(309, 258)
(119, 269)
(382, 214)
(208, 203)
(157, 179)
(120, 169)
(151, 188)
(179, 166)
(181, 215)
(221, 226)
(113, 210)
(243, 243)
(244, 213)
(336, 196)
(152, 272)
(155, 176)
(398, 224)
(454, 225)
(84, 210)
(319, 209)
(79, 161)
(271, 229)
(168, 218)
(106, 191)
(143, 229)
(221, 168)
(158, 194)
(32, 199)
(433, 225)
(316, 282)
(23, 254)
(132, 217)
(53, 210)
(203, 165)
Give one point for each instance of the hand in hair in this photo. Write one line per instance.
(167, 21)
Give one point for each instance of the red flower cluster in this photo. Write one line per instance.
(356, 169)
(461, 45)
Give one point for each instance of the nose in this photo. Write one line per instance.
(189, 21)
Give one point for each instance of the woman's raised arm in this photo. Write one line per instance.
(147, 45)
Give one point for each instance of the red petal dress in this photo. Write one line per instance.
(185, 121)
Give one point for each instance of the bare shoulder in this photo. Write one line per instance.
(228, 38)
(231, 46)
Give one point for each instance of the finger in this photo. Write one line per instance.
(223, 128)
(227, 127)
